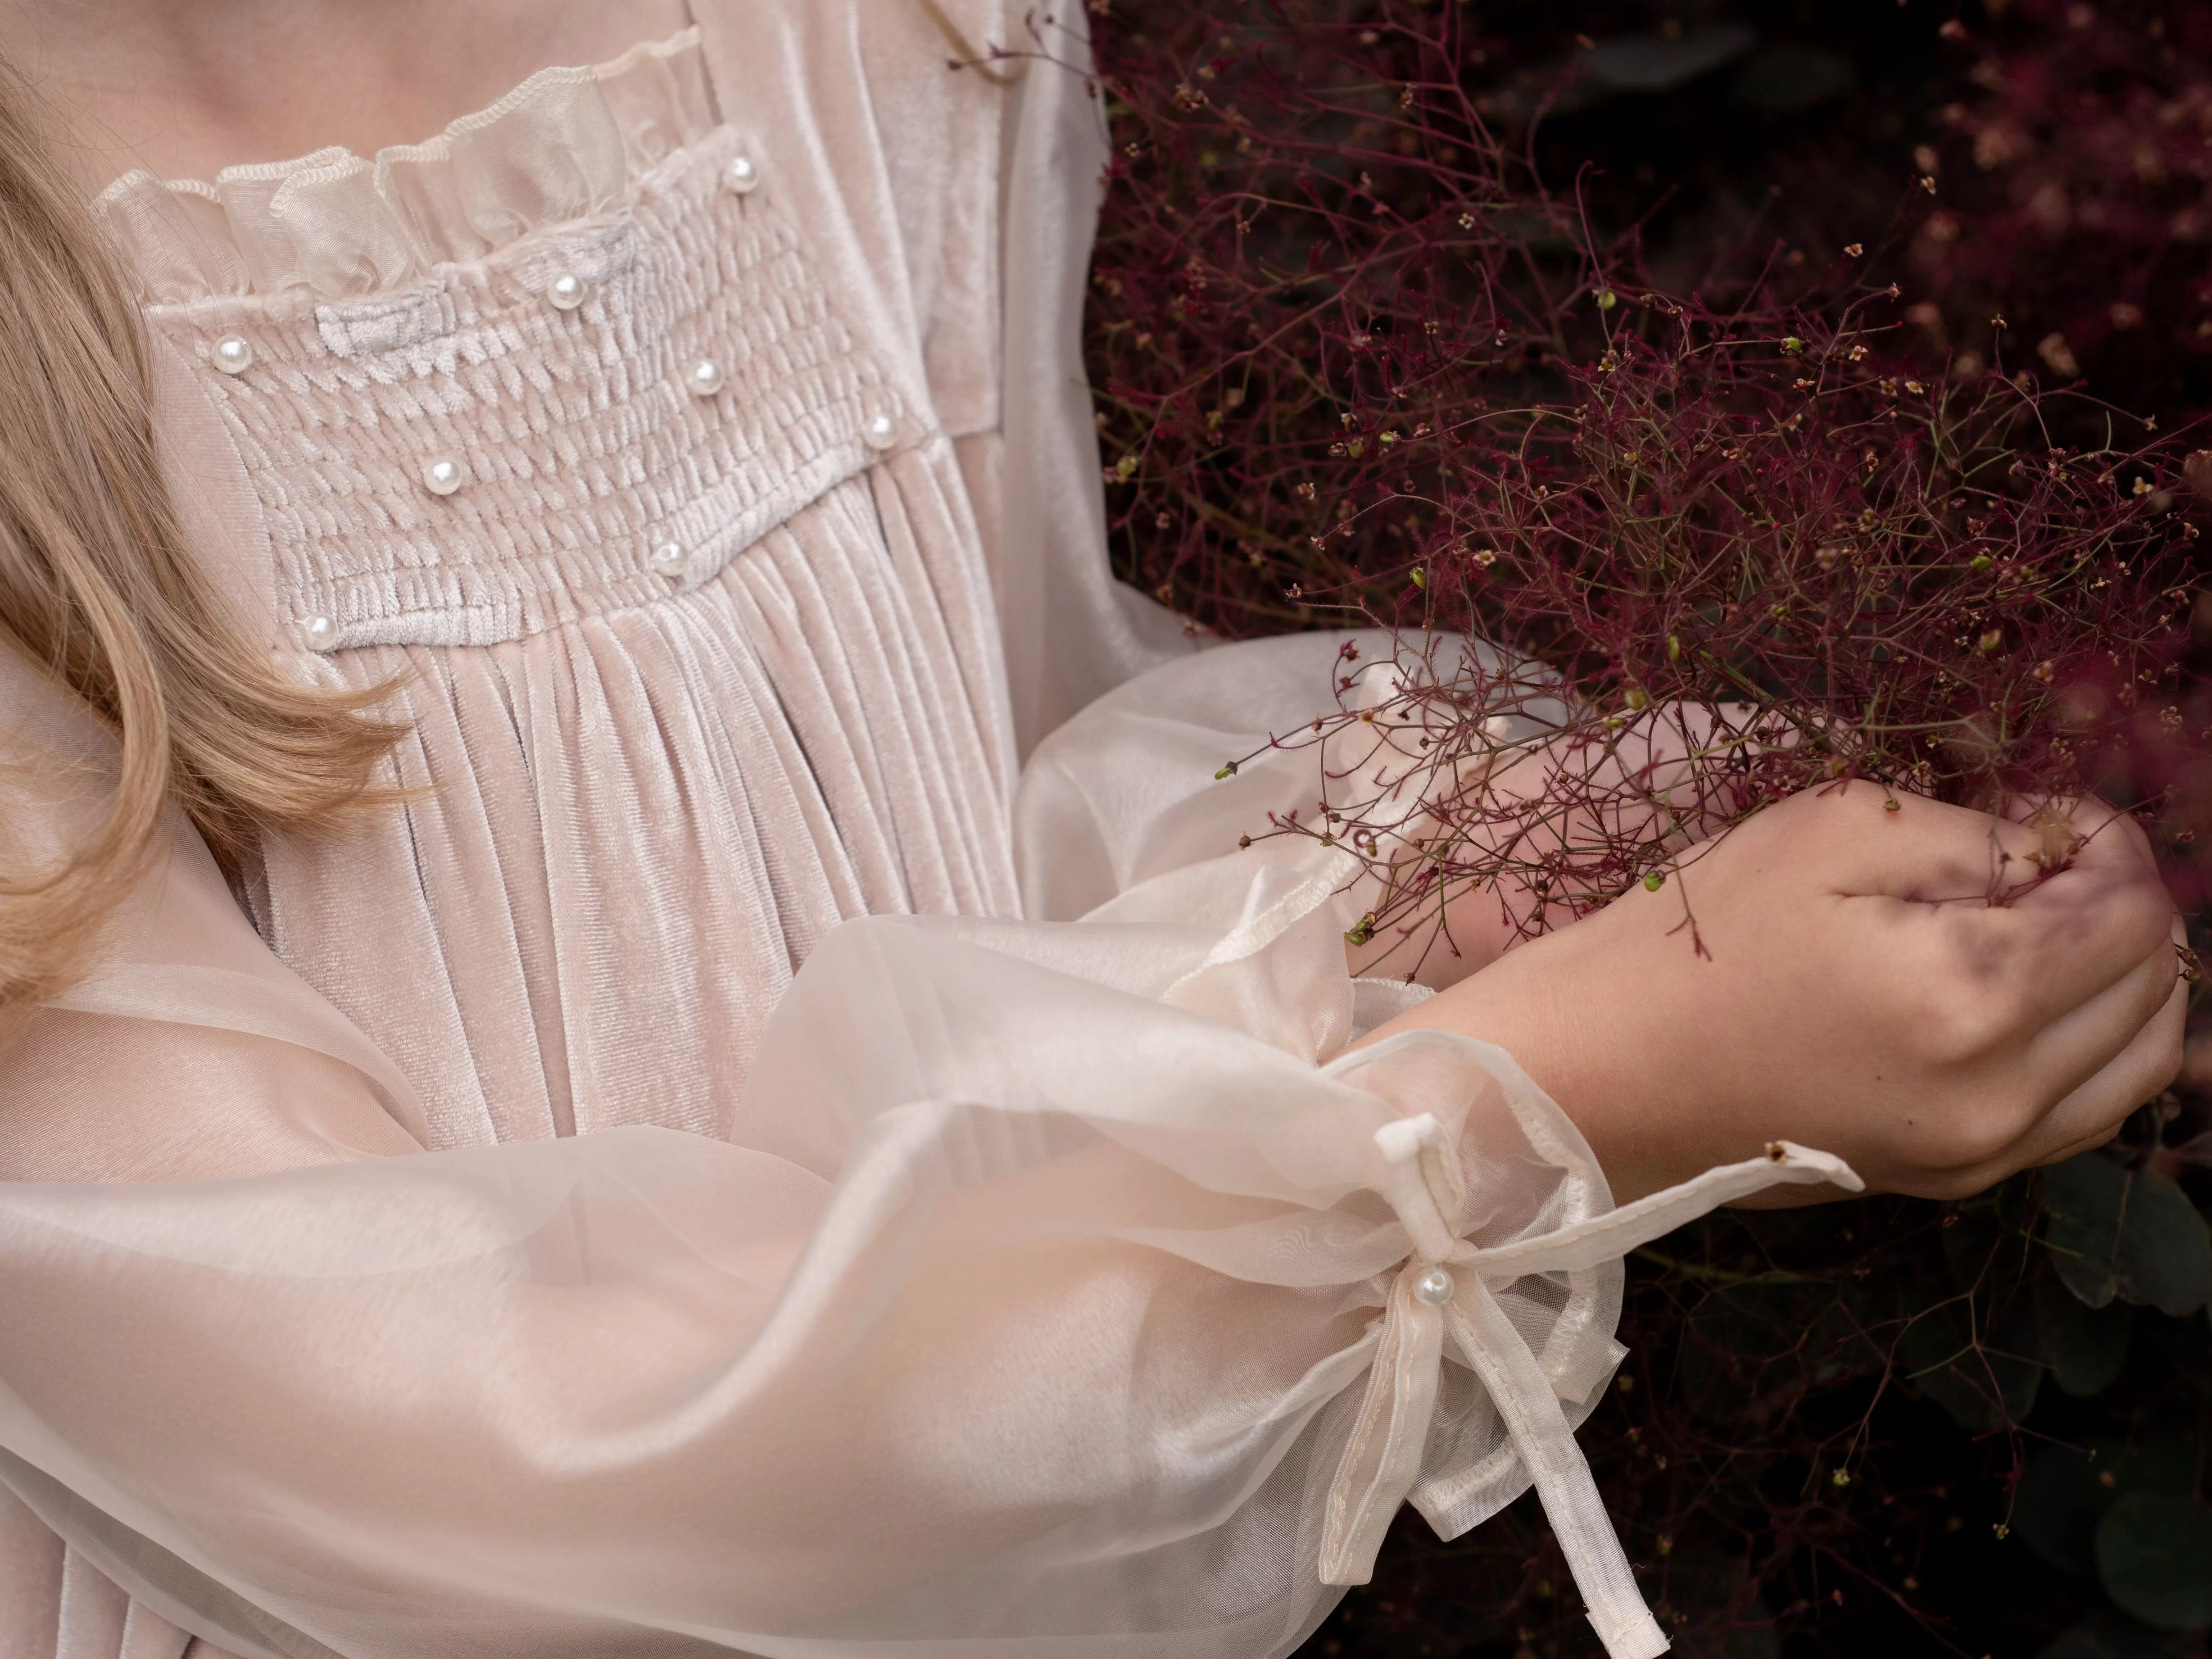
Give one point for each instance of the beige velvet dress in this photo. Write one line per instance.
(478, 1236)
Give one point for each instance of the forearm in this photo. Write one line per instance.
(1585, 1043)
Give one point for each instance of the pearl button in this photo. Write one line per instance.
(231, 354)
(741, 176)
(318, 633)
(706, 378)
(442, 476)
(567, 292)
(881, 432)
(1433, 1286)
(670, 559)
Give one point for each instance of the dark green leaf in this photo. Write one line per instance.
(2066, 1490)
(1784, 79)
(2154, 1559)
(2084, 1347)
(2108, 1633)
(2166, 1256)
(1652, 63)
(2081, 1205)
(2058, 1504)
(2113, 1231)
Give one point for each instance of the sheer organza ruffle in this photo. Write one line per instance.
(566, 144)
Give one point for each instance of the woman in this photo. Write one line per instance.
(549, 578)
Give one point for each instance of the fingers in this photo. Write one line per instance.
(2075, 1149)
(2093, 1114)
(2088, 1041)
(2089, 1113)
(2154, 1051)
(2039, 951)
(2093, 842)
(1934, 853)
(2088, 927)
(2100, 830)
(1921, 850)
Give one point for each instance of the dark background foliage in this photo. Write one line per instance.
(1417, 312)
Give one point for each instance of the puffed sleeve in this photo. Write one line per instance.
(1055, 1285)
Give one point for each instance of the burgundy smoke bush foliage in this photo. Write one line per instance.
(2074, 180)
(1359, 363)
(1365, 353)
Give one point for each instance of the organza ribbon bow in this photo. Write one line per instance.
(1442, 1294)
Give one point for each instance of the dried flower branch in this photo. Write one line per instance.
(1744, 519)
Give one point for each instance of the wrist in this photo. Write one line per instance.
(1586, 1043)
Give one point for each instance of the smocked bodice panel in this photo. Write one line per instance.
(566, 380)
(632, 391)
(581, 426)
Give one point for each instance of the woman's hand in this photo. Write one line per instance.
(1857, 990)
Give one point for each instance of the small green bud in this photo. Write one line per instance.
(1792, 344)
(1673, 647)
(1227, 771)
(1653, 882)
(1980, 562)
(1607, 300)
(1420, 577)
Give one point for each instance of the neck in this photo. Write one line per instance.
(186, 88)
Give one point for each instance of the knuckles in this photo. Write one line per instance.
(1962, 1026)
(1956, 992)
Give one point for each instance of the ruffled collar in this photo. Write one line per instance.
(566, 144)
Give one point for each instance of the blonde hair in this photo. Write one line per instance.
(97, 589)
